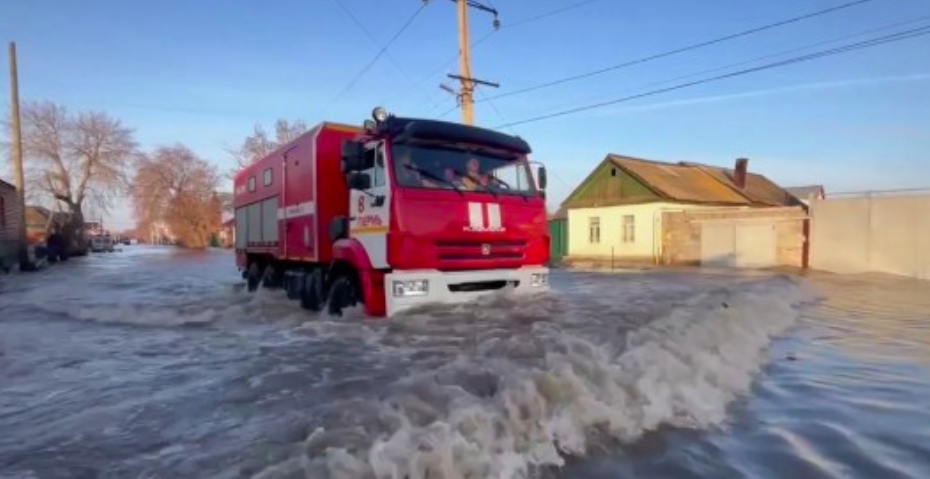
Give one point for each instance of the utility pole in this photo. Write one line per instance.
(17, 141)
(468, 82)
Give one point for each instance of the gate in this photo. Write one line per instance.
(739, 244)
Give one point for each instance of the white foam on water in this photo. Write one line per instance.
(520, 402)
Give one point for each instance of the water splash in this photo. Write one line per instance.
(526, 398)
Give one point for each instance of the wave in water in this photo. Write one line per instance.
(526, 399)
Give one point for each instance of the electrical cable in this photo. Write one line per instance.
(676, 51)
(380, 53)
(777, 54)
(371, 37)
(804, 58)
(548, 14)
(504, 26)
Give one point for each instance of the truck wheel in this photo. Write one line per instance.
(268, 278)
(340, 295)
(254, 277)
(311, 295)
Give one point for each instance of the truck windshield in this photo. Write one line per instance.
(422, 166)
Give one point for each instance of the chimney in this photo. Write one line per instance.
(739, 172)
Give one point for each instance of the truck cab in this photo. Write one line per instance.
(440, 213)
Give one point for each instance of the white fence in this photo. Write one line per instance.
(886, 232)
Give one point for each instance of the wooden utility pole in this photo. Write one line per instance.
(468, 87)
(467, 91)
(17, 143)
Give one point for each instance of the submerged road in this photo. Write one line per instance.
(154, 363)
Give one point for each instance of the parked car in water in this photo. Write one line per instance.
(100, 244)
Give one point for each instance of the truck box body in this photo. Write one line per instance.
(285, 201)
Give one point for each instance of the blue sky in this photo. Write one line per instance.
(204, 72)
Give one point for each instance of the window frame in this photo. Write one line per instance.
(594, 230)
(628, 229)
(251, 183)
(379, 168)
(268, 176)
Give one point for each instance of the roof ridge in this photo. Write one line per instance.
(643, 160)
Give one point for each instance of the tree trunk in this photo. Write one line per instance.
(76, 238)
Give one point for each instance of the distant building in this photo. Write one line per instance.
(9, 224)
(807, 193)
(41, 221)
(160, 234)
(619, 211)
(227, 233)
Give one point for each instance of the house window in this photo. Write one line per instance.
(268, 177)
(251, 183)
(594, 230)
(2, 212)
(629, 229)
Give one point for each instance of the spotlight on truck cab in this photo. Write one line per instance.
(379, 114)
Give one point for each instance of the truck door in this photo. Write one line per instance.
(370, 209)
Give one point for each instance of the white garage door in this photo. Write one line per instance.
(741, 245)
(755, 245)
(718, 246)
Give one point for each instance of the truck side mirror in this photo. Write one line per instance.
(353, 156)
(542, 177)
(359, 181)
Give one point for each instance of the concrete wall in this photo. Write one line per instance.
(647, 218)
(880, 234)
(681, 240)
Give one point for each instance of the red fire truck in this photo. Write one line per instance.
(397, 213)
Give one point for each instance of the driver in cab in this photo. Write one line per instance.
(410, 174)
(473, 178)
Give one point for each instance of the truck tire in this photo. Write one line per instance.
(311, 295)
(340, 295)
(254, 277)
(268, 278)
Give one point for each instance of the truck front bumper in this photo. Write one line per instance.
(412, 288)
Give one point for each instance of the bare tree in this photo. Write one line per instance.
(78, 160)
(173, 186)
(259, 143)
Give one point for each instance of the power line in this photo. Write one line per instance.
(430, 97)
(370, 36)
(504, 26)
(778, 54)
(446, 113)
(682, 49)
(497, 111)
(804, 58)
(380, 52)
(550, 13)
(517, 23)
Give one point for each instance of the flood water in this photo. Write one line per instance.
(153, 362)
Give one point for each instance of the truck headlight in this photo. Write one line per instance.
(539, 279)
(416, 287)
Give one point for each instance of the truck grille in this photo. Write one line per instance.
(463, 250)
